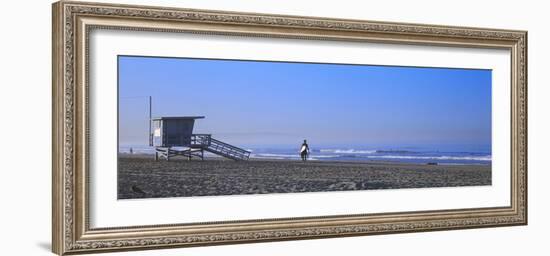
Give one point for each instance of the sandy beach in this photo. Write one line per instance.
(139, 176)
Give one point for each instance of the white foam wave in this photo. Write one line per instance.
(269, 155)
(296, 156)
(464, 158)
(286, 156)
(348, 151)
(137, 150)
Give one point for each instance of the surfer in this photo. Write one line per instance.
(304, 151)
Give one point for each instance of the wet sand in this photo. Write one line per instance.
(139, 176)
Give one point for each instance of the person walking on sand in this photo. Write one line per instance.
(304, 151)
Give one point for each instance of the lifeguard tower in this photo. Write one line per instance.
(173, 136)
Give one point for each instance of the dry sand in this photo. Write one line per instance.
(139, 176)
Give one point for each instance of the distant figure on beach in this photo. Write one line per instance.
(304, 151)
(131, 151)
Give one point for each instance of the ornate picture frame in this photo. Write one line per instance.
(72, 23)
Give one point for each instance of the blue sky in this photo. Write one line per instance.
(256, 103)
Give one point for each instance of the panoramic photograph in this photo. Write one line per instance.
(213, 127)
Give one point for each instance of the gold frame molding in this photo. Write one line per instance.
(72, 22)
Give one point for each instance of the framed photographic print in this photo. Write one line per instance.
(179, 127)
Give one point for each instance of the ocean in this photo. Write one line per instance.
(421, 155)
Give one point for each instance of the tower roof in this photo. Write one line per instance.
(178, 117)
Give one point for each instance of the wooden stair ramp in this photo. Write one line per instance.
(206, 142)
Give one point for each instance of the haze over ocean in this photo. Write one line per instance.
(344, 111)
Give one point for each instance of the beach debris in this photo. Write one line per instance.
(344, 185)
(137, 190)
(431, 163)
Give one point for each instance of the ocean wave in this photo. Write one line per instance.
(348, 154)
(283, 156)
(395, 152)
(464, 158)
(137, 150)
(404, 157)
(287, 156)
(347, 151)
